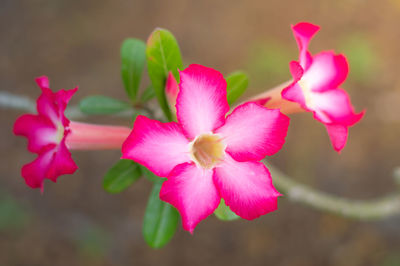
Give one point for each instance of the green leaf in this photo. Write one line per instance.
(160, 220)
(224, 213)
(151, 176)
(100, 105)
(123, 174)
(236, 85)
(148, 94)
(163, 55)
(133, 58)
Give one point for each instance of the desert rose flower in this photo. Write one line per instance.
(207, 156)
(316, 81)
(50, 135)
(316, 88)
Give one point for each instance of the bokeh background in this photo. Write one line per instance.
(75, 222)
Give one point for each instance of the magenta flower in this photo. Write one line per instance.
(46, 133)
(51, 135)
(207, 156)
(315, 86)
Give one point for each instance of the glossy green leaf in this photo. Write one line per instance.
(123, 174)
(148, 94)
(101, 105)
(224, 213)
(237, 83)
(133, 58)
(163, 55)
(160, 220)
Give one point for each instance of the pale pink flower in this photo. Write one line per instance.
(207, 156)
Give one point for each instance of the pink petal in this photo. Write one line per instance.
(296, 70)
(326, 72)
(50, 164)
(43, 82)
(38, 129)
(201, 104)
(61, 164)
(303, 32)
(191, 190)
(246, 188)
(158, 146)
(334, 106)
(294, 93)
(34, 172)
(53, 105)
(338, 135)
(251, 132)
(171, 91)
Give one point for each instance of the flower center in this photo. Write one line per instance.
(207, 150)
(306, 92)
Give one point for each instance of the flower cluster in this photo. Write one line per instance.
(209, 154)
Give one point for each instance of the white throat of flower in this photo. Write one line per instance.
(207, 150)
(59, 132)
(306, 92)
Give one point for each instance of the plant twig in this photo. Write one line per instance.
(17, 102)
(357, 209)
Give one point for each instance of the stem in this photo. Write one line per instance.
(355, 209)
(85, 136)
(12, 101)
(275, 100)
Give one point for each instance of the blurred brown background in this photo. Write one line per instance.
(76, 222)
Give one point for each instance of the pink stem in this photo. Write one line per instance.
(274, 100)
(85, 136)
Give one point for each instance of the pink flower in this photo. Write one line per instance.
(46, 133)
(50, 135)
(207, 156)
(315, 86)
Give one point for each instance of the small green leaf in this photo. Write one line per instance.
(133, 58)
(123, 174)
(148, 94)
(101, 105)
(163, 55)
(224, 213)
(236, 85)
(151, 176)
(160, 220)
